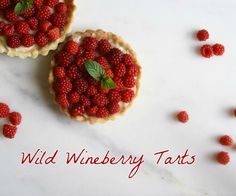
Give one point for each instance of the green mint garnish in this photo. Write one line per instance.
(23, 6)
(98, 73)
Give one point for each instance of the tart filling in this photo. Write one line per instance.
(83, 95)
(36, 30)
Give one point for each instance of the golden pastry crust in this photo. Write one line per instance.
(36, 51)
(117, 42)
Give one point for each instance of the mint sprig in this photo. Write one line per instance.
(98, 73)
(23, 6)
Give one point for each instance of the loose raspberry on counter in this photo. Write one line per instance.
(15, 118)
(183, 116)
(4, 110)
(218, 49)
(202, 35)
(9, 131)
(223, 158)
(206, 51)
(226, 140)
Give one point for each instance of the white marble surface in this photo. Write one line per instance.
(174, 78)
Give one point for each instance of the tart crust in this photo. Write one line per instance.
(117, 42)
(36, 50)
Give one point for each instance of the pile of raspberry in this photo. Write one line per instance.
(41, 24)
(78, 92)
(9, 130)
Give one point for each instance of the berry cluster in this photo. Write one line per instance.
(207, 50)
(9, 130)
(40, 24)
(78, 92)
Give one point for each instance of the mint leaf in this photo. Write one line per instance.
(23, 6)
(94, 69)
(108, 83)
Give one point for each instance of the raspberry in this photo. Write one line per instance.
(80, 61)
(54, 33)
(22, 27)
(15, 118)
(80, 85)
(89, 43)
(41, 39)
(5, 4)
(61, 8)
(8, 30)
(28, 13)
(183, 116)
(127, 95)
(100, 100)
(1, 27)
(11, 16)
(76, 110)
(80, 52)
(61, 99)
(43, 13)
(103, 90)
(104, 46)
(38, 3)
(129, 81)
(113, 108)
(13, 41)
(114, 57)
(223, 158)
(4, 110)
(59, 72)
(102, 112)
(127, 59)
(51, 3)
(72, 47)
(27, 40)
(226, 140)
(64, 59)
(109, 73)
(114, 96)
(44, 25)
(72, 72)
(119, 83)
(91, 90)
(89, 54)
(91, 111)
(63, 85)
(218, 49)
(132, 70)
(202, 35)
(206, 51)
(9, 131)
(84, 101)
(92, 81)
(73, 97)
(58, 20)
(33, 23)
(120, 70)
(102, 61)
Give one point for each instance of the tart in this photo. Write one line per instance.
(78, 90)
(36, 29)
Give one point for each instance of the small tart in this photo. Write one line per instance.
(120, 64)
(55, 33)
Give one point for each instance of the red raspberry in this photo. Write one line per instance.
(114, 57)
(1, 27)
(44, 25)
(223, 158)
(114, 96)
(61, 8)
(80, 52)
(5, 4)
(54, 33)
(27, 40)
(58, 20)
(109, 73)
(13, 41)
(73, 97)
(72, 72)
(113, 108)
(33, 23)
(76, 110)
(91, 90)
(89, 43)
(119, 70)
(132, 70)
(11, 16)
(202, 35)
(4, 110)
(80, 61)
(103, 90)
(104, 46)
(22, 27)
(89, 55)
(51, 3)
(119, 83)
(226, 140)
(62, 85)
(43, 13)
(59, 72)
(100, 100)
(41, 39)
(9, 131)
(80, 85)
(129, 81)
(102, 112)
(91, 81)
(183, 116)
(91, 111)
(8, 30)
(61, 99)
(127, 59)
(206, 51)
(15, 118)
(64, 59)
(38, 3)
(127, 95)
(71, 47)
(102, 61)
(28, 13)
(84, 101)
(218, 49)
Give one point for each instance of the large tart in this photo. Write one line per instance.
(35, 30)
(82, 96)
